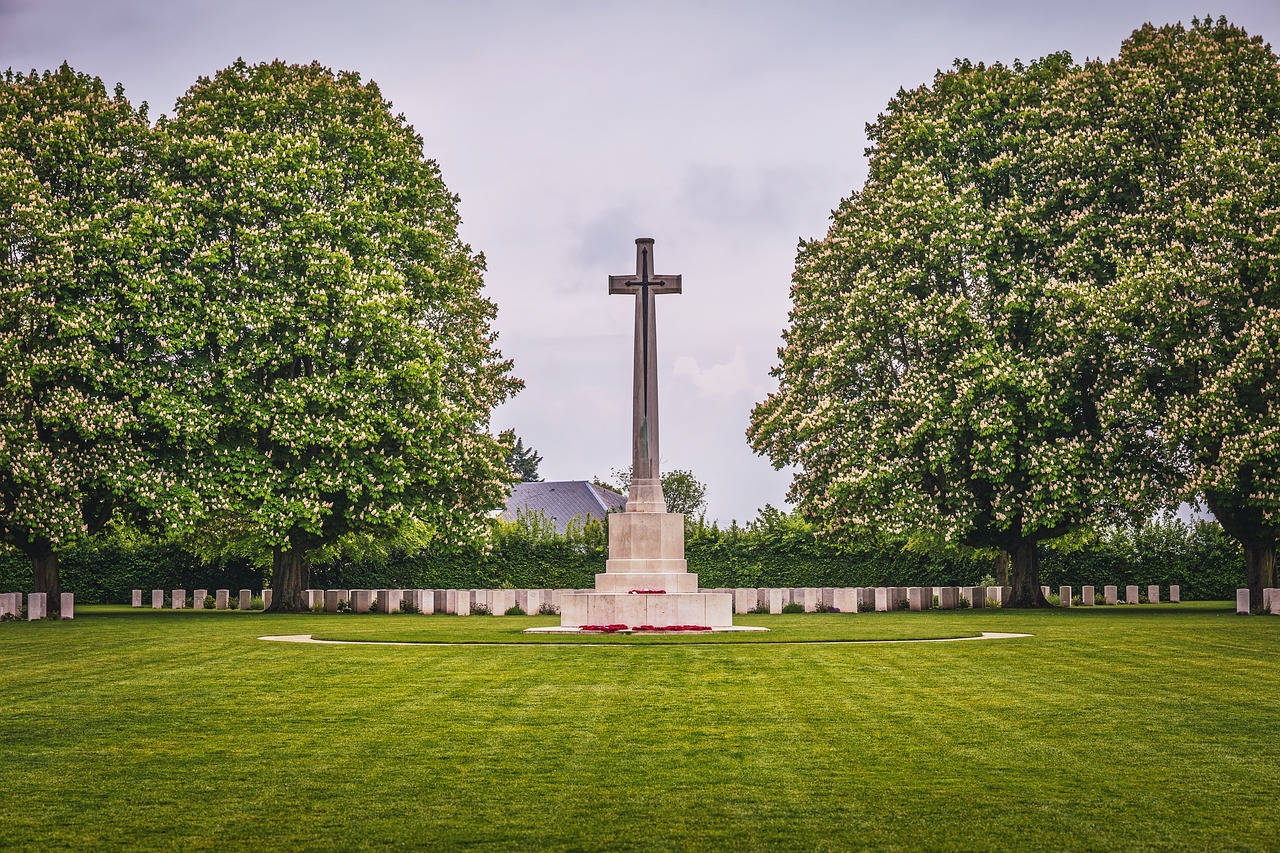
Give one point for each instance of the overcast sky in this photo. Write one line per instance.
(727, 131)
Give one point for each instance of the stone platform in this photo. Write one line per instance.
(646, 580)
(561, 629)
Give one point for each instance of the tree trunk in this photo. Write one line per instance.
(290, 575)
(1024, 563)
(1002, 567)
(1260, 567)
(45, 574)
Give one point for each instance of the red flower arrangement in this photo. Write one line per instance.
(646, 592)
(656, 629)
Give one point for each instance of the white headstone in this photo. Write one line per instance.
(389, 600)
(916, 596)
(1275, 603)
(1110, 594)
(1242, 602)
(36, 606)
(198, 597)
(223, 599)
(501, 600)
(1064, 596)
(67, 608)
(948, 597)
(266, 597)
(844, 599)
(310, 597)
(10, 604)
(1153, 593)
(332, 597)
(1175, 594)
(179, 599)
(1088, 596)
(776, 599)
(360, 600)
(1131, 594)
(744, 599)
(157, 599)
(137, 598)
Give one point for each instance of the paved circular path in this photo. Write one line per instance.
(307, 638)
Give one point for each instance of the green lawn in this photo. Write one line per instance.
(1111, 728)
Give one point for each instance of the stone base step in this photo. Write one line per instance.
(707, 609)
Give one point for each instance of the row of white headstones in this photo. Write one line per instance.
(498, 602)
(746, 599)
(37, 605)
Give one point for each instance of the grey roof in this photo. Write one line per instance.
(563, 500)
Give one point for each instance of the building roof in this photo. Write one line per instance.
(563, 500)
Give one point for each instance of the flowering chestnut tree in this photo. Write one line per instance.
(944, 369)
(74, 170)
(333, 366)
(1190, 127)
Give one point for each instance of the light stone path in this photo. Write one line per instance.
(307, 638)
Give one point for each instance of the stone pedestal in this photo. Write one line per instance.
(646, 580)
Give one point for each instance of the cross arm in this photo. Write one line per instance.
(658, 283)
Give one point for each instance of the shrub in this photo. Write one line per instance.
(515, 610)
(373, 605)
(548, 609)
(209, 603)
(317, 607)
(344, 605)
(256, 603)
(793, 607)
(407, 606)
(481, 610)
(759, 608)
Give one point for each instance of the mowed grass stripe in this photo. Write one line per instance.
(1146, 728)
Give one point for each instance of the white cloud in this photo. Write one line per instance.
(719, 380)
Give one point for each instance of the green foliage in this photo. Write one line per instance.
(75, 169)
(514, 610)
(523, 462)
(779, 549)
(330, 352)
(681, 490)
(793, 607)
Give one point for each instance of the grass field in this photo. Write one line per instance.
(1119, 728)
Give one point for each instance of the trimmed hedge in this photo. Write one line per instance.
(777, 550)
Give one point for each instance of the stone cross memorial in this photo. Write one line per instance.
(646, 580)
